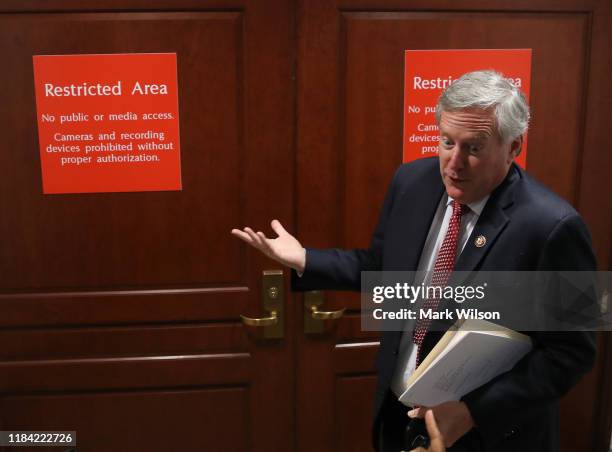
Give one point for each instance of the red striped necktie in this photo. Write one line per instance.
(445, 263)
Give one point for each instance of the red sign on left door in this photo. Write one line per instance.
(108, 123)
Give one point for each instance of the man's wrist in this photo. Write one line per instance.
(302, 264)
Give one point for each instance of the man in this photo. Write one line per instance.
(472, 208)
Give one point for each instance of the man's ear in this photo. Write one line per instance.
(515, 148)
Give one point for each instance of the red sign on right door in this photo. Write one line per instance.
(428, 72)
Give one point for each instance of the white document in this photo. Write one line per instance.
(467, 356)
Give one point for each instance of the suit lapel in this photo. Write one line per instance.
(415, 220)
(491, 223)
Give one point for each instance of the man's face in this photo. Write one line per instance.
(473, 159)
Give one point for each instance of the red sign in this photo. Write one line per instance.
(428, 72)
(108, 123)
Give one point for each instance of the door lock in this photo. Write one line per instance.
(273, 303)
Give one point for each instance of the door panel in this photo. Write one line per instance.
(120, 312)
(116, 421)
(138, 239)
(350, 110)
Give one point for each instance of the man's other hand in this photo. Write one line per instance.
(454, 420)
(436, 441)
(284, 249)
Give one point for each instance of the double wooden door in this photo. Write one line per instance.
(121, 312)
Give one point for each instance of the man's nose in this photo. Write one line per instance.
(456, 162)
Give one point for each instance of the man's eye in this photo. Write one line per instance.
(446, 142)
(474, 148)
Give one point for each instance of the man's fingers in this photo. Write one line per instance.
(242, 235)
(256, 239)
(432, 426)
(278, 227)
(417, 412)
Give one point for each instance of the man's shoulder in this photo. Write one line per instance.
(419, 166)
(425, 170)
(540, 201)
(543, 224)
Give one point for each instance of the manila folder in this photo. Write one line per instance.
(469, 355)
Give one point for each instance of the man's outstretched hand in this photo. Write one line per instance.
(284, 249)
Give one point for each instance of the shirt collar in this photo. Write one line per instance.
(476, 206)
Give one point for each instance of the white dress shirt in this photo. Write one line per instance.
(406, 361)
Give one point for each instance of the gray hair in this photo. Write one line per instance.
(488, 90)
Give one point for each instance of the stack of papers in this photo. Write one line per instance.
(469, 355)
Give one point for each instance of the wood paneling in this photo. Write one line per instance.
(121, 311)
(138, 239)
(130, 372)
(353, 409)
(350, 95)
(54, 343)
(354, 357)
(114, 420)
(125, 307)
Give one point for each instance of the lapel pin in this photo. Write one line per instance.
(480, 241)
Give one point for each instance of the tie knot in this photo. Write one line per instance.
(459, 209)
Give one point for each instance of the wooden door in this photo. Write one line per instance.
(350, 113)
(120, 312)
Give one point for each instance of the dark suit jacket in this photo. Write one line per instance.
(527, 228)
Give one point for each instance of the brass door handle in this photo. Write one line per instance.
(272, 297)
(325, 315)
(261, 321)
(313, 317)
